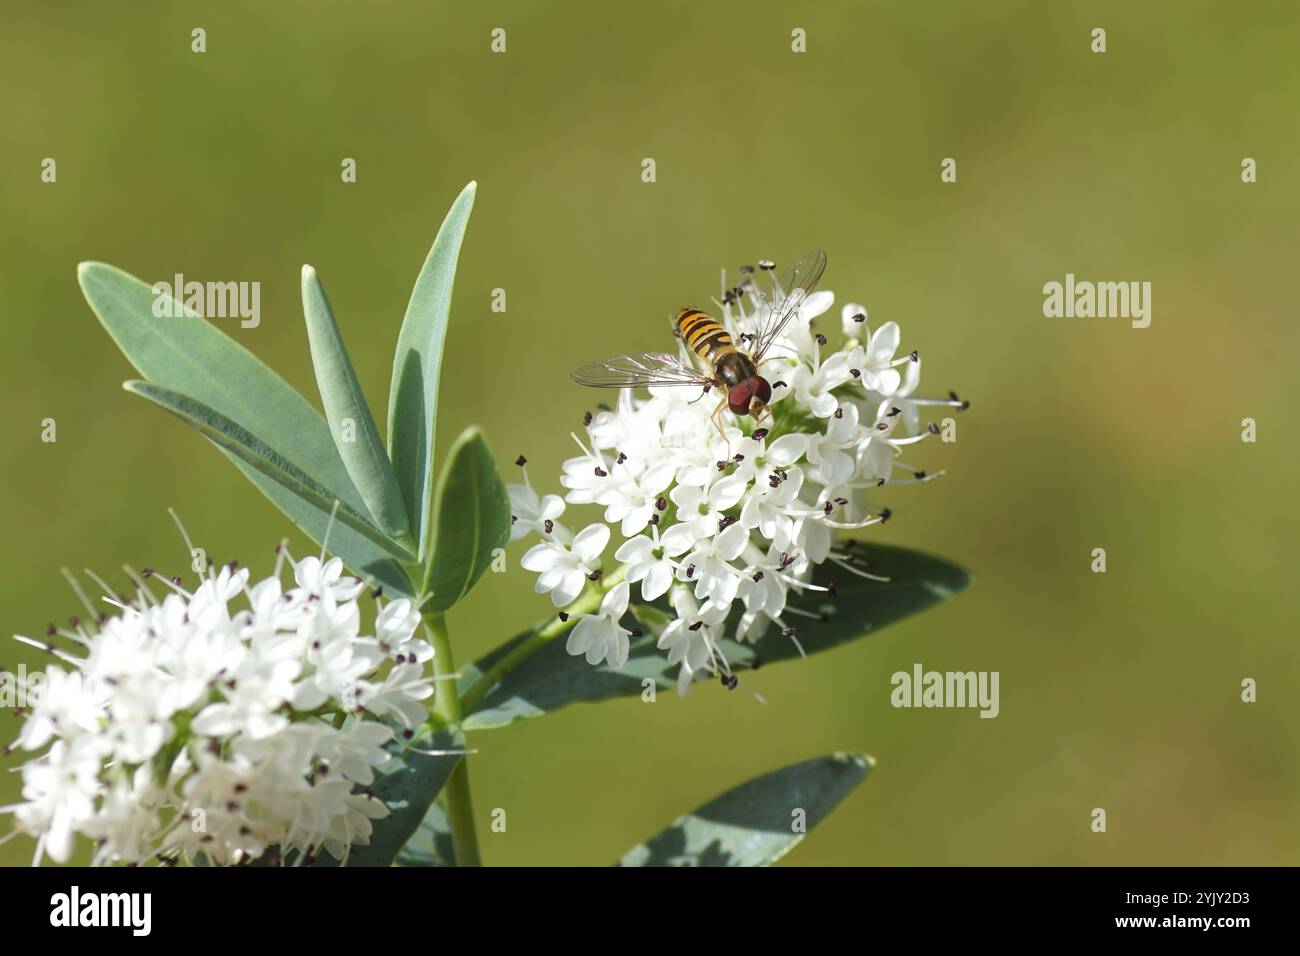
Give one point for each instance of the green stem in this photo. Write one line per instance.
(447, 707)
(586, 602)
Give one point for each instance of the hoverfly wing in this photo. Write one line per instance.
(639, 368)
(795, 285)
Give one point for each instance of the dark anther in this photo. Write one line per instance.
(51, 631)
(232, 806)
(841, 501)
(148, 572)
(729, 297)
(603, 407)
(725, 522)
(722, 466)
(654, 519)
(564, 616)
(886, 515)
(514, 519)
(787, 632)
(758, 576)
(785, 559)
(831, 589)
(690, 571)
(859, 317)
(914, 355)
(880, 482)
(893, 412)
(548, 525)
(737, 457)
(621, 458)
(774, 480)
(746, 270)
(731, 681)
(952, 396)
(932, 428)
(823, 617)
(176, 579)
(232, 565)
(839, 412)
(595, 575)
(828, 509)
(759, 434)
(521, 461)
(821, 339)
(767, 265)
(601, 472)
(635, 632)
(920, 474)
(779, 384)
(856, 372)
(586, 418)
(882, 426)
(661, 503)
(696, 626)
(241, 788)
(377, 593)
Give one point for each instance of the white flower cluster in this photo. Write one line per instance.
(737, 520)
(186, 726)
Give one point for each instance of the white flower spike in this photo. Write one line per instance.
(718, 529)
(187, 726)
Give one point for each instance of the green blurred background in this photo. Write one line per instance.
(1119, 690)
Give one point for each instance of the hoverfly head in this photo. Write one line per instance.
(750, 397)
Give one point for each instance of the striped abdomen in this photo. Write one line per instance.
(707, 338)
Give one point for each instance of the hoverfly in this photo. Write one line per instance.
(723, 365)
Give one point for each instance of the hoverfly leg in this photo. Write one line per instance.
(718, 425)
(707, 386)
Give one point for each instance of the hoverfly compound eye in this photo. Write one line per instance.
(763, 392)
(738, 397)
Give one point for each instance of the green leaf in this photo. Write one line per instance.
(190, 355)
(471, 515)
(413, 392)
(253, 451)
(407, 785)
(431, 845)
(755, 824)
(364, 456)
(550, 678)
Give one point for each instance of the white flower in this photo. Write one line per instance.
(814, 383)
(875, 360)
(60, 789)
(630, 496)
(530, 513)
(691, 638)
(563, 570)
(649, 561)
(707, 565)
(600, 636)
